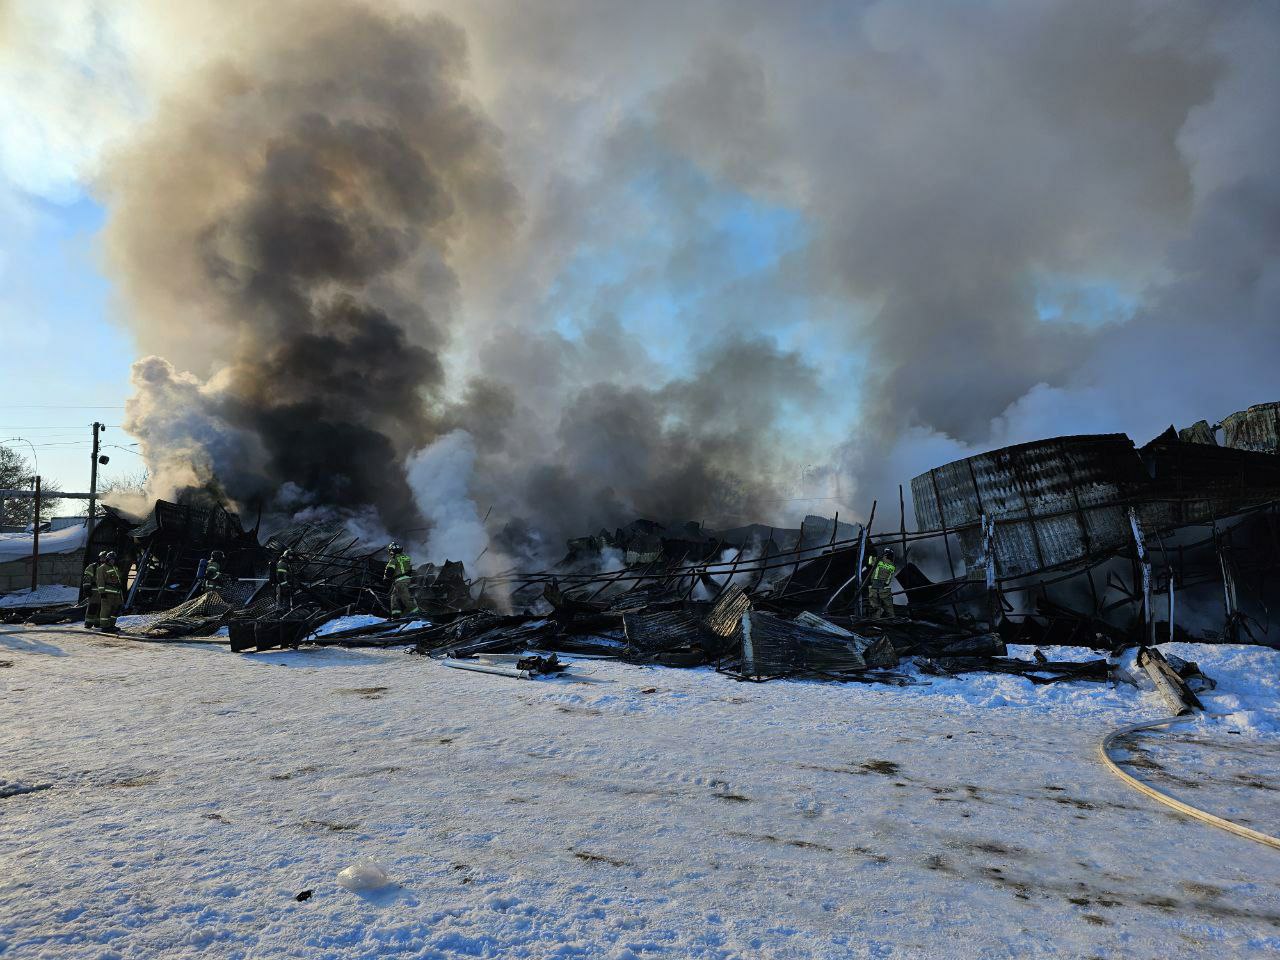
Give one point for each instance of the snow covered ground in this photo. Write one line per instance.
(45, 595)
(171, 800)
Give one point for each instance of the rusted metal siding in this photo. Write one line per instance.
(1256, 429)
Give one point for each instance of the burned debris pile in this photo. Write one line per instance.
(201, 616)
(1085, 541)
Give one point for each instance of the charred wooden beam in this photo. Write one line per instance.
(1168, 683)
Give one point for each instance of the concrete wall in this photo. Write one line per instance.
(54, 568)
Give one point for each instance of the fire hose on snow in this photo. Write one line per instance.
(1184, 808)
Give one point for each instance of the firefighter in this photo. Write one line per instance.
(400, 572)
(89, 590)
(284, 580)
(110, 591)
(213, 570)
(879, 588)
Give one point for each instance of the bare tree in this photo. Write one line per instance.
(124, 485)
(16, 474)
(127, 493)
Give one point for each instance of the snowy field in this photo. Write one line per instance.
(171, 800)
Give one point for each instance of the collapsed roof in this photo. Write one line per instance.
(1022, 530)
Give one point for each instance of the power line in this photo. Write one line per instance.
(55, 436)
(60, 406)
(81, 443)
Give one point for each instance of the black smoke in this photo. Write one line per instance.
(300, 206)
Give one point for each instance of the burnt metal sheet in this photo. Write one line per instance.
(201, 525)
(1194, 482)
(725, 618)
(877, 651)
(1063, 501)
(774, 647)
(1056, 501)
(1256, 429)
(1198, 432)
(651, 633)
(873, 650)
(265, 634)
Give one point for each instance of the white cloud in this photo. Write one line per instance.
(65, 93)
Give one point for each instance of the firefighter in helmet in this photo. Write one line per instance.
(89, 590)
(110, 591)
(213, 572)
(880, 586)
(284, 580)
(400, 573)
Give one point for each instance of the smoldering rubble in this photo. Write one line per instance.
(1085, 541)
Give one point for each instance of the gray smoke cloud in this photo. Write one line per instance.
(1033, 219)
(382, 250)
(285, 229)
(1199, 336)
(291, 210)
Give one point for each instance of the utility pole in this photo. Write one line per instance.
(35, 541)
(93, 490)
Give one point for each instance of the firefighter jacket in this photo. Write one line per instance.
(884, 571)
(400, 566)
(108, 578)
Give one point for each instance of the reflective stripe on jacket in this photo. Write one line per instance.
(108, 578)
(400, 566)
(884, 572)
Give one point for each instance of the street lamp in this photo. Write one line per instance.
(34, 456)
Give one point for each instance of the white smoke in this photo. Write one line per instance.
(440, 477)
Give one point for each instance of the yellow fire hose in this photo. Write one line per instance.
(1184, 808)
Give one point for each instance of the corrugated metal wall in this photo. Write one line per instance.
(1257, 429)
(1058, 502)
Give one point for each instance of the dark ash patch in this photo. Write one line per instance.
(588, 857)
(367, 693)
(885, 768)
(328, 825)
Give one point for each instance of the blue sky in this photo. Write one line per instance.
(661, 282)
(67, 363)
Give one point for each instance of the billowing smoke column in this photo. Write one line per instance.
(566, 263)
(285, 229)
(291, 211)
(1017, 220)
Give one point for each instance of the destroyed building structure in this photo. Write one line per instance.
(1086, 541)
(1097, 524)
